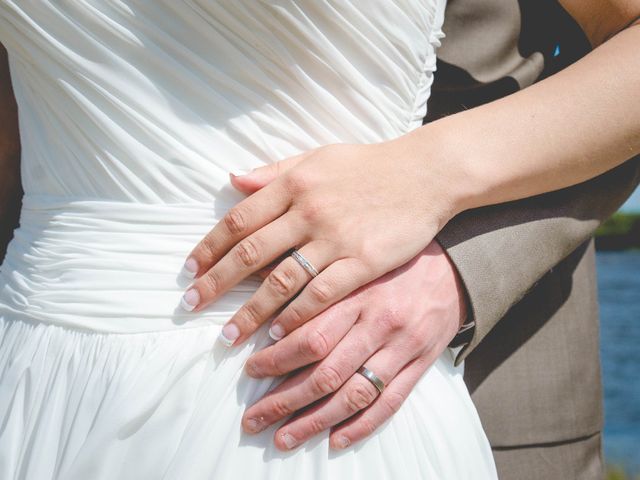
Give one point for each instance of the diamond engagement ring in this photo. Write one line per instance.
(304, 263)
(372, 377)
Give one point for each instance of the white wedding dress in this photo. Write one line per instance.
(132, 113)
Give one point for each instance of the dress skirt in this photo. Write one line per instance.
(77, 405)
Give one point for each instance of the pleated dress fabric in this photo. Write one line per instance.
(132, 113)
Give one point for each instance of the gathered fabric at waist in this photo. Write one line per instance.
(111, 266)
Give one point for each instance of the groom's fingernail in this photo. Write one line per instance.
(255, 425)
(252, 370)
(190, 299)
(342, 442)
(190, 268)
(289, 441)
(241, 171)
(229, 334)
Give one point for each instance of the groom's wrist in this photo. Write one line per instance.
(466, 323)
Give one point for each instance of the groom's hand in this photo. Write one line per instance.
(396, 326)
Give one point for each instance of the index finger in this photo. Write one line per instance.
(241, 220)
(313, 383)
(307, 344)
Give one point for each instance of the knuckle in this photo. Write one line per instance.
(250, 316)
(316, 344)
(275, 364)
(367, 426)
(358, 397)
(235, 221)
(208, 245)
(267, 363)
(391, 320)
(325, 380)
(416, 342)
(320, 290)
(296, 182)
(212, 280)
(317, 424)
(248, 253)
(283, 281)
(292, 315)
(311, 212)
(392, 401)
(281, 407)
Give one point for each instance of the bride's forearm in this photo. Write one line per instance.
(561, 131)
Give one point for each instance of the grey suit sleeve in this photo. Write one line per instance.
(501, 251)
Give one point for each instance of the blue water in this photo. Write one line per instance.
(619, 295)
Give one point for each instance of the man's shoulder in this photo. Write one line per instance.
(493, 48)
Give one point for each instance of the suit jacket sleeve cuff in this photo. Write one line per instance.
(502, 251)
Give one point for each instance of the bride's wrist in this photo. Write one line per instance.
(446, 166)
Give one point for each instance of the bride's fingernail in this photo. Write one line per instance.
(190, 268)
(241, 171)
(190, 299)
(276, 332)
(229, 334)
(289, 440)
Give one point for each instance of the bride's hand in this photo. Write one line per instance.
(396, 326)
(354, 211)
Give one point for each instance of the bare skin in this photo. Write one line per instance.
(398, 324)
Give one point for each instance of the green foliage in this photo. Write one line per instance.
(617, 473)
(619, 224)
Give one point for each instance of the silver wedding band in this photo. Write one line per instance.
(372, 377)
(304, 263)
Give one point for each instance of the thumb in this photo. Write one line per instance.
(253, 180)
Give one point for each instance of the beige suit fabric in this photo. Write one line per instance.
(533, 363)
